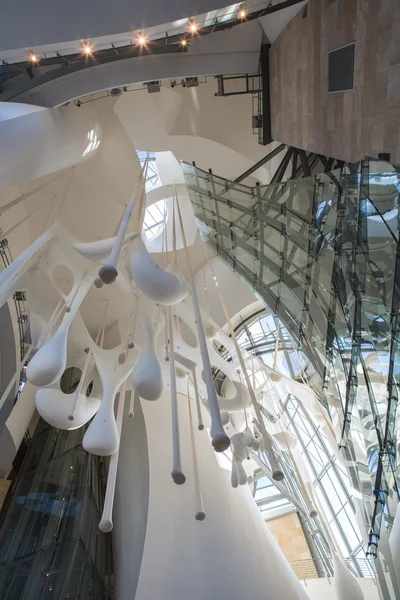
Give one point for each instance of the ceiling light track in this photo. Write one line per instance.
(89, 56)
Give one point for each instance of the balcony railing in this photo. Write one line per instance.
(312, 568)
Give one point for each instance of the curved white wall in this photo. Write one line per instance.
(231, 554)
(39, 142)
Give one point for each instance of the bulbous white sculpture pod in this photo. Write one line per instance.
(161, 286)
(37, 326)
(147, 378)
(47, 366)
(346, 585)
(55, 407)
(285, 440)
(102, 437)
(239, 454)
(240, 400)
(98, 251)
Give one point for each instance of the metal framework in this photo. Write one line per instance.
(18, 298)
(28, 76)
(310, 163)
(322, 253)
(258, 334)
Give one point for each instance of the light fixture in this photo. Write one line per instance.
(142, 40)
(153, 86)
(87, 50)
(242, 13)
(192, 82)
(183, 42)
(34, 58)
(193, 27)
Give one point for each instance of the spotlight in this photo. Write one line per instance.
(183, 42)
(242, 13)
(87, 50)
(173, 83)
(142, 40)
(34, 58)
(193, 27)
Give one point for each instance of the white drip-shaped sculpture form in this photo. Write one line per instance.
(346, 585)
(177, 473)
(109, 272)
(240, 445)
(47, 366)
(240, 400)
(285, 440)
(147, 378)
(157, 284)
(99, 250)
(37, 326)
(106, 523)
(220, 440)
(102, 436)
(55, 407)
(71, 411)
(200, 514)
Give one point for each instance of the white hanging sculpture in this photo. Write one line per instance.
(109, 272)
(177, 472)
(240, 400)
(147, 378)
(102, 437)
(200, 514)
(55, 407)
(155, 283)
(220, 440)
(37, 326)
(240, 444)
(99, 250)
(47, 366)
(106, 523)
(285, 440)
(346, 585)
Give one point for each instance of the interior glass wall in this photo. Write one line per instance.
(50, 544)
(322, 253)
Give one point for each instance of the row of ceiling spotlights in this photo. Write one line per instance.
(87, 50)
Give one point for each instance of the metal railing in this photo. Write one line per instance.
(312, 568)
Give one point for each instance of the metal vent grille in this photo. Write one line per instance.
(341, 68)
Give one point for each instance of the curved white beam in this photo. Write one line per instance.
(43, 141)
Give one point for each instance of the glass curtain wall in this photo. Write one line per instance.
(322, 254)
(50, 544)
(259, 335)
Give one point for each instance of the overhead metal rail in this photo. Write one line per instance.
(35, 75)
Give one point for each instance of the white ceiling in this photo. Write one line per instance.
(90, 199)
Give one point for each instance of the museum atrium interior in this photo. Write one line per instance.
(200, 294)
